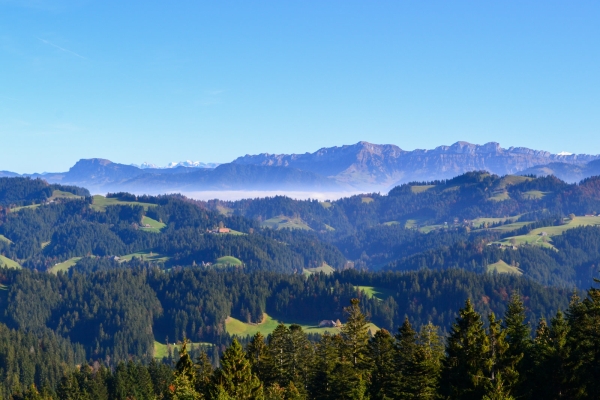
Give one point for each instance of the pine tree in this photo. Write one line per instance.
(256, 353)
(499, 365)
(235, 375)
(466, 357)
(204, 372)
(381, 357)
(583, 340)
(550, 355)
(326, 357)
(518, 337)
(405, 348)
(185, 365)
(422, 372)
(355, 334)
(301, 356)
(277, 362)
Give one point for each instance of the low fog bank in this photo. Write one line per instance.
(252, 194)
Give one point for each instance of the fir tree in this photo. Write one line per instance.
(467, 350)
(355, 334)
(499, 365)
(583, 340)
(381, 357)
(405, 347)
(422, 372)
(235, 375)
(518, 338)
(256, 352)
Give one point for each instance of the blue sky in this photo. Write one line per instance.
(168, 81)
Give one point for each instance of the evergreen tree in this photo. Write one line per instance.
(583, 340)
(301, 356)
(278, 360)
(467, 350)
(355, 334)
(204, 372)
(550, 355)
(422, 372)
(381, 357)
(326, 357)
(500, 367)
(235, 376)
(256, 352)
(405, 347)
(518, 338)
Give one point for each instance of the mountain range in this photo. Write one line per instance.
(363, 166)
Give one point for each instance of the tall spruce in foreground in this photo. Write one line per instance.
(518, 354)
(235, 377)
(550, 355)
(584, 342)
(500, 367)
(466, 357)
(405, 346)
(381, 356)
(422, 372)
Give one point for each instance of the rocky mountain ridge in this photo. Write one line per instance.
(363, 166)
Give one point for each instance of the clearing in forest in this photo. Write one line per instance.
(378, 293)
(268, 325)
(324, 268)
(8, 263)
(65, 265)
(228, 261)
(162, 350)
(100, 203)
(503, 268)
(543, 236)
(283, 222)
(155, 226)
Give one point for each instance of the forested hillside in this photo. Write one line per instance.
(107, 279)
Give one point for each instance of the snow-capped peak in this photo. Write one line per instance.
(564, 153)
(187, 164)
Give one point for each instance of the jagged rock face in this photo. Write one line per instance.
(100, 171)
(365, 164)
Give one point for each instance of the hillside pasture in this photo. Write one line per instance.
(499, 196)
(5, 239)
(8, 263)
(416, 189)
(325, 204)
(100, 203)
(536, 237)
(324, 268)
(155, 226)
(283, 222)
(146, 255)
(378, 293)
(534, 194)
(65, 265)
(161, 350)
(228, 261)
(366, 200)
(509, 180)
(503, 268)
(242, 329)
(59, 194)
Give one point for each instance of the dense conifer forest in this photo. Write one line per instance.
(475, 287)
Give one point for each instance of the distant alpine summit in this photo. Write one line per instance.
(365, 165)
(187, 164)
(362, 166)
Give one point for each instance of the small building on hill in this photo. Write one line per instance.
(327, 323)
(224, 230)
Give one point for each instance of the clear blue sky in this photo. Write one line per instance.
(136, 81)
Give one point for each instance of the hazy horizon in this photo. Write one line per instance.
(134, 82)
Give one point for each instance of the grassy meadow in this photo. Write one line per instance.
(65, 265)
(8, 263)
(283, 222)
